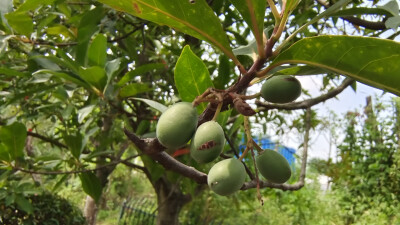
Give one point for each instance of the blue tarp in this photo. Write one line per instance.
(266, 143)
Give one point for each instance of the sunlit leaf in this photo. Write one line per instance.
(95, 76)
(195, 18)
(253, 12)
(158, 106)
(21, 22)
(191, 76)
(371, 61)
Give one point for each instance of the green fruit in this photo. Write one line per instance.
(208, 142)
(273, 166)
(281, 89)
(226, 176)
(177, 125)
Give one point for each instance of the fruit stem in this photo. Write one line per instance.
(217, 111)
(258, 148)
(257, 178)
(250, 141)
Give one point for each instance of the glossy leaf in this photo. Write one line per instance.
(97, 54)
(95, 76)
(133, 89)
(91, 185)
(369, 60)
(87, 27)
(139, 71)
(158, 106)
(58, 30)
(253, 12)
(33, 4)
(194, 18)
(191, 76)
(20, 22)
(12, 138)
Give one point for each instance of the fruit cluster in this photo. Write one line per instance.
(178, 125)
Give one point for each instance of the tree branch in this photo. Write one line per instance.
(76, 171)
(262, 106)
(153, 148)
(46, 139)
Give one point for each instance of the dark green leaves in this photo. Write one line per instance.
(253, 12)
(91, 185)
(369, 60)
(191, 76)
(12, 141)
(196, 19)
(74, 143)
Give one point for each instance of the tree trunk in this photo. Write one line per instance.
(90, 210)
(170, 201)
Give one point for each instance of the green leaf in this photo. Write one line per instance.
(251, 48)
(33, 4)
(223, 117)
(74, 143)
(371, 61)
(253, 12)
(302, 70)
(158, 106)
(139, 71)
(58, 30)
(21, 22)
(87, 27)
(24, 204)
(224, 72)
(95, 76)
(196, 19)
(393, 22)
(362, 11)
(84, 112)
(191, 76)
(133, 89)
(11, 73)
(91, 185)
(13, 138)
(97, 54)
(392, 7)
(65, 75)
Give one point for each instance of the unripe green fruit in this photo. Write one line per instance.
(177, 125)
(281, 89)
(208, 142)
(226, 176)
(273, 166)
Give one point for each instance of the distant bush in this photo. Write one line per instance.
(48, 209)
